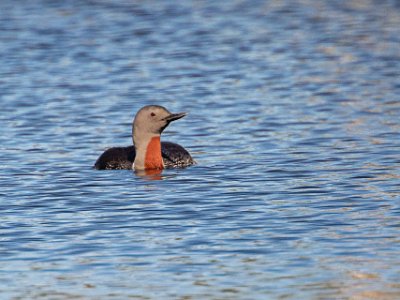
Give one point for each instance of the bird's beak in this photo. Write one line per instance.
(173, 117)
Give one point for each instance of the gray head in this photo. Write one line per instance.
(153, 119)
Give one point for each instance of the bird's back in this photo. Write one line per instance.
(116, 158)
(175, 156)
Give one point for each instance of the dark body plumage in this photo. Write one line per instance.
(122, 158)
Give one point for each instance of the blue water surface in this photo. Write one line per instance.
(294, 120)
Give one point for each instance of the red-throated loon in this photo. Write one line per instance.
(148, 152)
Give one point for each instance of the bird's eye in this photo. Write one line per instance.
(152, 114)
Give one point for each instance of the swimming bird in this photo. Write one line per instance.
(147, 152)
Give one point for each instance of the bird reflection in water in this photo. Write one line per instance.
(152, 174)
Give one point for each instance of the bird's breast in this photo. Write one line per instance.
(153, 158)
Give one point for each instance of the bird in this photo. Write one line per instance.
(147, 151)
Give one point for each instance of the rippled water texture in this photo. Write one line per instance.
(294, 119)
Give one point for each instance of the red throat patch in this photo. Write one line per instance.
(153, 159)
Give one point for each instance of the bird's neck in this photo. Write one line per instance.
(148, 153)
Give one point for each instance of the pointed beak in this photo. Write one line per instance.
(174, 117)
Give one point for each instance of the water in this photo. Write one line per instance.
(294, 119)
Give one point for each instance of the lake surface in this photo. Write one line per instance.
(294, 120)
